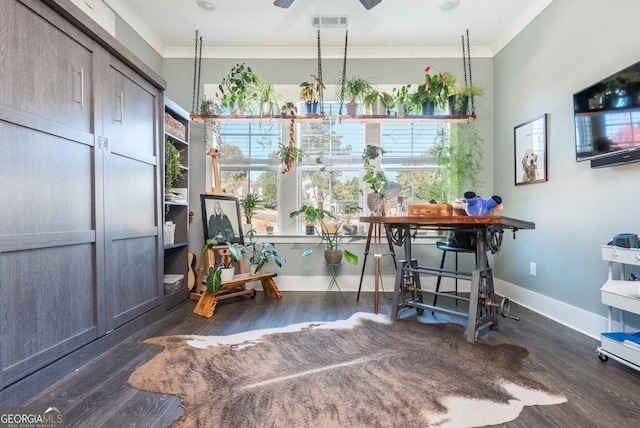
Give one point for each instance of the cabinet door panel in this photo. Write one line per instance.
(48, 297)
(130, 113)
(47, 70)
(47, 182)
(131, 195)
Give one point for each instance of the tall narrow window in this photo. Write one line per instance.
(249, 164)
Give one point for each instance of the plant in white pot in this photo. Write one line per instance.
(328, 228)
(223, 263)
(260, 253)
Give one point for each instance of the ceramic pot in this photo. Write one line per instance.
(265, 108)
(312, 107)
(428, 108)
(351, 108)
(375, 203)
(378, 108)
(226, 274)
(460, 110)
(333, 257)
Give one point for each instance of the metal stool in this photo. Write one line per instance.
(448, 248)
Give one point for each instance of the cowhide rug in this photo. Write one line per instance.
(362, 372)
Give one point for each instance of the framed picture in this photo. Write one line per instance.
(221, 218)
(530, 151)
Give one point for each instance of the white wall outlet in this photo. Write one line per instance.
(532, 269)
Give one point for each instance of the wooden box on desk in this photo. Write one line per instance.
(429, 210)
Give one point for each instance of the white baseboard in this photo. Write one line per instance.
(577, 319)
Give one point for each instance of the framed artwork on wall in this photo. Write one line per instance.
(221, 218)
(530, 151)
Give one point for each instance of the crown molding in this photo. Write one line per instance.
(328, 52)
(519, 24)
(134, 21)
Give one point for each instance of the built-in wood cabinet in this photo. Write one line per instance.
(81, 206)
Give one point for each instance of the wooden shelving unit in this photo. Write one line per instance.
(177, 210)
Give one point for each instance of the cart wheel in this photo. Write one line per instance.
(602, 356)
(253, 293)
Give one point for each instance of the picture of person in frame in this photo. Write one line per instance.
(219, 226)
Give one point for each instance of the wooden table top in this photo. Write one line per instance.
(451, 222)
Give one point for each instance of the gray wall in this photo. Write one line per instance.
(571, 45)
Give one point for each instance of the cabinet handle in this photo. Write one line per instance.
(81, 91)
(121, 105)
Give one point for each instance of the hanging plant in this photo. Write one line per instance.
(290, 154)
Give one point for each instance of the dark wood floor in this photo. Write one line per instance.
(600, 394)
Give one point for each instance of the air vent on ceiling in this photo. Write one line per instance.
(330, 21)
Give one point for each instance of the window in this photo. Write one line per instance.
(331, 170)
(409, 160)
(249, 164)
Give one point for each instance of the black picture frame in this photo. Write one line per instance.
(530, 151)
(224, 225)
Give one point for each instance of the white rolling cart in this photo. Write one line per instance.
(621, 346)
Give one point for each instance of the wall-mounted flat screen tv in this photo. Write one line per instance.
(607, 119)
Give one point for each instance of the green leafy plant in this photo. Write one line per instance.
(459, 155)
(328, 228)
(310, 91)
(172, 169)
(388, 100)
(354, 89)
(374, 177)
(214, 276)
(260, 253)
(402, 98)
(435, 88)
(249, 204)
(239, 88)
(284, 150)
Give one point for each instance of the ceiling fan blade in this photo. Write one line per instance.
(368, 4)
(283, 3)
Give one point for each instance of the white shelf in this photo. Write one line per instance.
(320, 119)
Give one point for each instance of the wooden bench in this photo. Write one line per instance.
(237, 286)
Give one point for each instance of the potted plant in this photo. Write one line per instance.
(224, 268)
(172, 168)
(310, 94)
(267, 97)
(389, 101)
(328, 227)
(249, 204)
(375, 102)
(289, 154)
(353, 89)
(402, 99)
(377, 181)
(238, 89)
(467, 93)
(433, 93)
(260, 253)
